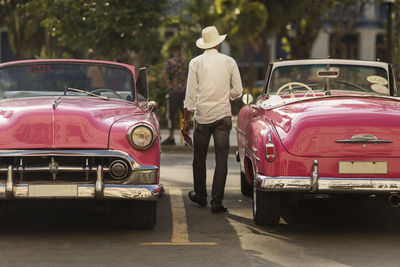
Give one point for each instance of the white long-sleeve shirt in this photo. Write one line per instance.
(213, 80)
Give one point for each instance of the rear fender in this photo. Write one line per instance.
(260, 133)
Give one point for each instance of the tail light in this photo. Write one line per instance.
(269, 149)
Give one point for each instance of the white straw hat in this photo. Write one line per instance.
(210, 38)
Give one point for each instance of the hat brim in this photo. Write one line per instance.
(201, 44)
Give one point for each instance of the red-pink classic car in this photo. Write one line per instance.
(79, 129)
(327, 127)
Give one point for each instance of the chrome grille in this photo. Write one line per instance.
(64, 165)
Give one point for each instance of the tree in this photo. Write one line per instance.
(305, 21)
(245, 21)
(21, 18)
(102, 29)
(396, 37)
(186, 27)
(344, 16)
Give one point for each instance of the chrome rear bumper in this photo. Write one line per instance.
(314, 183)
(327, 184)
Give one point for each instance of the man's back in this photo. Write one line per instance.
(211, 76)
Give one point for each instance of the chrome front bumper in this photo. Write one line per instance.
(139, 184)
(327, 184)
(108, 191)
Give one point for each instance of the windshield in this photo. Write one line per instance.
(54, 79)
(325, 79)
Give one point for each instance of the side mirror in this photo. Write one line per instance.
(247, 99)
(142, 88)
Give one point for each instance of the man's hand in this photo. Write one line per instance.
(185, 127)
(185, 122)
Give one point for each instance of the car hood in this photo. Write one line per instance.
(332, 127)
(59, 122)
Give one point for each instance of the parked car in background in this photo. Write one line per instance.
(321, 126)
(79, 129)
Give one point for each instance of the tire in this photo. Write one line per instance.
(267, 207)
(246, 188)
(142, 214)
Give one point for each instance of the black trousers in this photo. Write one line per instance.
(201, 137)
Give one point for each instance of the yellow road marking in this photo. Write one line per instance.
(179, 244)
(179, 223)
(180, 234)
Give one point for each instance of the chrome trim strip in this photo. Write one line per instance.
(240, 131)
(363, 141)
(285, 101)
(60, 169)
(327, 184)
(252, 154)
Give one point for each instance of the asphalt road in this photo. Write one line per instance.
(322, 232)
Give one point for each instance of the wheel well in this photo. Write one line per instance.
(248, 166)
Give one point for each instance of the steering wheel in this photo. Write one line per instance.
(290, 84)
(99, 90)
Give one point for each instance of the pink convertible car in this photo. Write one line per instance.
(79, 129)
(321, 127)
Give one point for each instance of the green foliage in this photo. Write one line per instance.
(251, 19)
(101, 29)
(158, 91)
(302, 25)
(22, 19)
(396, 38)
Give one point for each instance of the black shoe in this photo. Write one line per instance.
(194, 198)
(218, 208)
(168, 142)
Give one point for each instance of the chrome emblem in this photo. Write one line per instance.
(364, 137)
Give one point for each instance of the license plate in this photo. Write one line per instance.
(53, 190)
(363, 167)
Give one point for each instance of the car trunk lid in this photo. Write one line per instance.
(340, 127)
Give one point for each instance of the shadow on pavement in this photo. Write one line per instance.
(362, 232)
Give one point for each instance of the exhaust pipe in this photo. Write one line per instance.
(394, 200)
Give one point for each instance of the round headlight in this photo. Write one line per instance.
(141, 136)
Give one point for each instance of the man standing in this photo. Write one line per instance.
(213, 80)
(174, 75)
